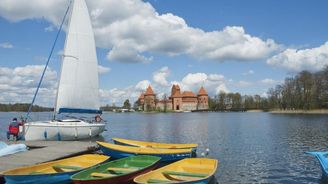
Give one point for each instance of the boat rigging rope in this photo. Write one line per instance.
(46, 66)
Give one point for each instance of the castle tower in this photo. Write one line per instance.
(149, 99)
(202, 99)
(141, 101)
(176, 98)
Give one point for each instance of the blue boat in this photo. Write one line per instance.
(58, 171)
(322, 157)
(167, 155)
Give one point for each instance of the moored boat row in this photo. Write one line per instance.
(138, 164)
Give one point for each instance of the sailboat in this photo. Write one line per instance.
(77, 90)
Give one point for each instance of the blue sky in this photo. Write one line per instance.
(232, 51)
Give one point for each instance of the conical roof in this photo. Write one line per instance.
(202, 92)
(149, 91)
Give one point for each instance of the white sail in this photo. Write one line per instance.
(78, 84)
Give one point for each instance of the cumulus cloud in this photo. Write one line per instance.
(312, 59)
(103, 70)
(213, 83)
(142, 85)
(50, 28)
(19, 84)
(159, 76)
(6, 45)
(221, 88)
(132, 31)
(268, 81)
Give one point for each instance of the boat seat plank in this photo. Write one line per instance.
(158, 181)
(196, 175)
(121, 169)
(102, 175)
(62, 168)
(36, 172)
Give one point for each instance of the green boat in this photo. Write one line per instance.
(118, 171)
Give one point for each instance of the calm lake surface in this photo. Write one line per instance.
(250, 147)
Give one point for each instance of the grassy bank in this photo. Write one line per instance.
(315, 111)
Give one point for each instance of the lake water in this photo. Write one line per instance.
(250, 147)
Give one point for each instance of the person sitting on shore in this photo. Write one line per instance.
(13, 129)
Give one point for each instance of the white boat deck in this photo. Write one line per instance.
(43, 151)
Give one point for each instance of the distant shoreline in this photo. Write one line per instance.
(315, 111)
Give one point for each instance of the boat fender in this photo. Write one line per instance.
(90, 132)
(207, 151)
(45, 134)
(75, 133)
(58, 136)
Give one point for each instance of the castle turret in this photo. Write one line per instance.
(202, 99)
(149, 99)
(176, 98)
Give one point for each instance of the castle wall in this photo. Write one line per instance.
(189, 106)
(202, 103)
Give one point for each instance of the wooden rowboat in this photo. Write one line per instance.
(118, 171)
(143, 144)
(167, 155)
(53, 172)
(189, 170)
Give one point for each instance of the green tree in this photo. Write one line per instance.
(126, 104)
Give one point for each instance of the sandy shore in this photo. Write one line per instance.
(315, 111)
(257, 110)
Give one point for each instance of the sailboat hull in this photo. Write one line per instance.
(62, 130)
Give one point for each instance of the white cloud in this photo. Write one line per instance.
(221, 88)
(142, 85)
(249, 72)
(268, 81)
(213, 83)
(159, 76)
(132, 31)
(215, 77)
(103, 70)
(312, 59)
(50, 28)
(6, 45)
(192, 79)
(118, 96)
(19, 84)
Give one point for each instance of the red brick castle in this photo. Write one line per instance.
(178, 101)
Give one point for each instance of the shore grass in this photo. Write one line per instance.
(314, 111)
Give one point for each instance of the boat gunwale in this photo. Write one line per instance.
(138, 150)
(3, 173)
(158, 145)
(156, 161)
(176, 163)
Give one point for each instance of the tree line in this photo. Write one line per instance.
(22, 107)
(305, 91)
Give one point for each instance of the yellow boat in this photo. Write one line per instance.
(189, 170)
(152, 144)
(119, 151)
(53, 172)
